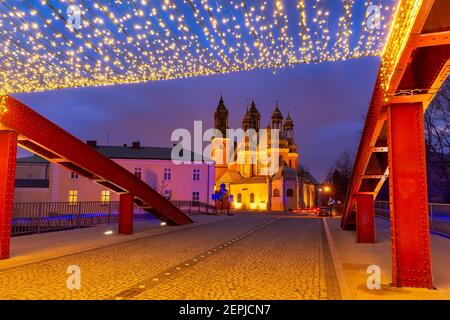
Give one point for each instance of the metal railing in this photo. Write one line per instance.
(37, 217)
(439, 216)
(195, 207)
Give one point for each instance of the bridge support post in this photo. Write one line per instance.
(126, 208)
(8, 150)
(365, 218)
(410, 235)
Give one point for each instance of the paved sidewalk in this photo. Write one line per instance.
(355, 259)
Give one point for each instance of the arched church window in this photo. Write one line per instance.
(239, 198)
(290, 193)
(276, 192)
(252, 197)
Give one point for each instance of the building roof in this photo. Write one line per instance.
(307, 177)
(230, 176)
(32, 159)
(124, 152)
(286, 172)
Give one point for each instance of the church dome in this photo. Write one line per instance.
(276, 114)
(288, 122)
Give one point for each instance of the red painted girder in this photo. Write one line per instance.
(51, 138)
(365, 218)
(8, 149)
(126, 214)
(410, 236)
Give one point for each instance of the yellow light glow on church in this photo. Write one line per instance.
(248, 185)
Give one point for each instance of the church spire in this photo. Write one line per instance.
(255, 116)
(221, 117)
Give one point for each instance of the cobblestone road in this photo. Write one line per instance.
(244, 257)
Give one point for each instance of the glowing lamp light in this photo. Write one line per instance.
(163, 223)
(327, 189)
(237, 205)
(108, 232)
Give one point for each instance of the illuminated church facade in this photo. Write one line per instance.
(248, 185)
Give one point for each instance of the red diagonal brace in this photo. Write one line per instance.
(8, 150)
(411, 262)
(365, 218)
(39, 135)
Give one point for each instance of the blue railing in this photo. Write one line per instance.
(439, 216)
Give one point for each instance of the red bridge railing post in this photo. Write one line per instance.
(365, 218)
(126, 208)
(8, 151)
(411, 261)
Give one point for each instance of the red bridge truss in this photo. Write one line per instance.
(20, 125)
(415, 62)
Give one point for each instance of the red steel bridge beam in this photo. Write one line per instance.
(126, 214)
(8, 149)
(415, 63)
(411, 261)
(365, 218)
(44, 138)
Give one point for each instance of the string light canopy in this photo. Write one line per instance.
(50, 44)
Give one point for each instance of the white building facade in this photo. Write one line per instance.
(37, 180)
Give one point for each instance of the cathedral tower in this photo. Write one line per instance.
(277, 119)
(288, 130)
(220, 145)
(221, 117)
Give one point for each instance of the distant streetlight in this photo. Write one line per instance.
(327, 189)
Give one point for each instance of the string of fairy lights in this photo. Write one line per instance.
(52, 44)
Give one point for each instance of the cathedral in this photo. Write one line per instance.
(248, 186)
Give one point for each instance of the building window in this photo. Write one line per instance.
(196, 175)
(73, 175)
(252, 197)
(167, 174)
(73, 197)
(276, 193)
(105, 197)
(138, 172)
(195, 196)
(239, 198)
(290, 193)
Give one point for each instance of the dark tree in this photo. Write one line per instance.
(339, 175)
(437, 139)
